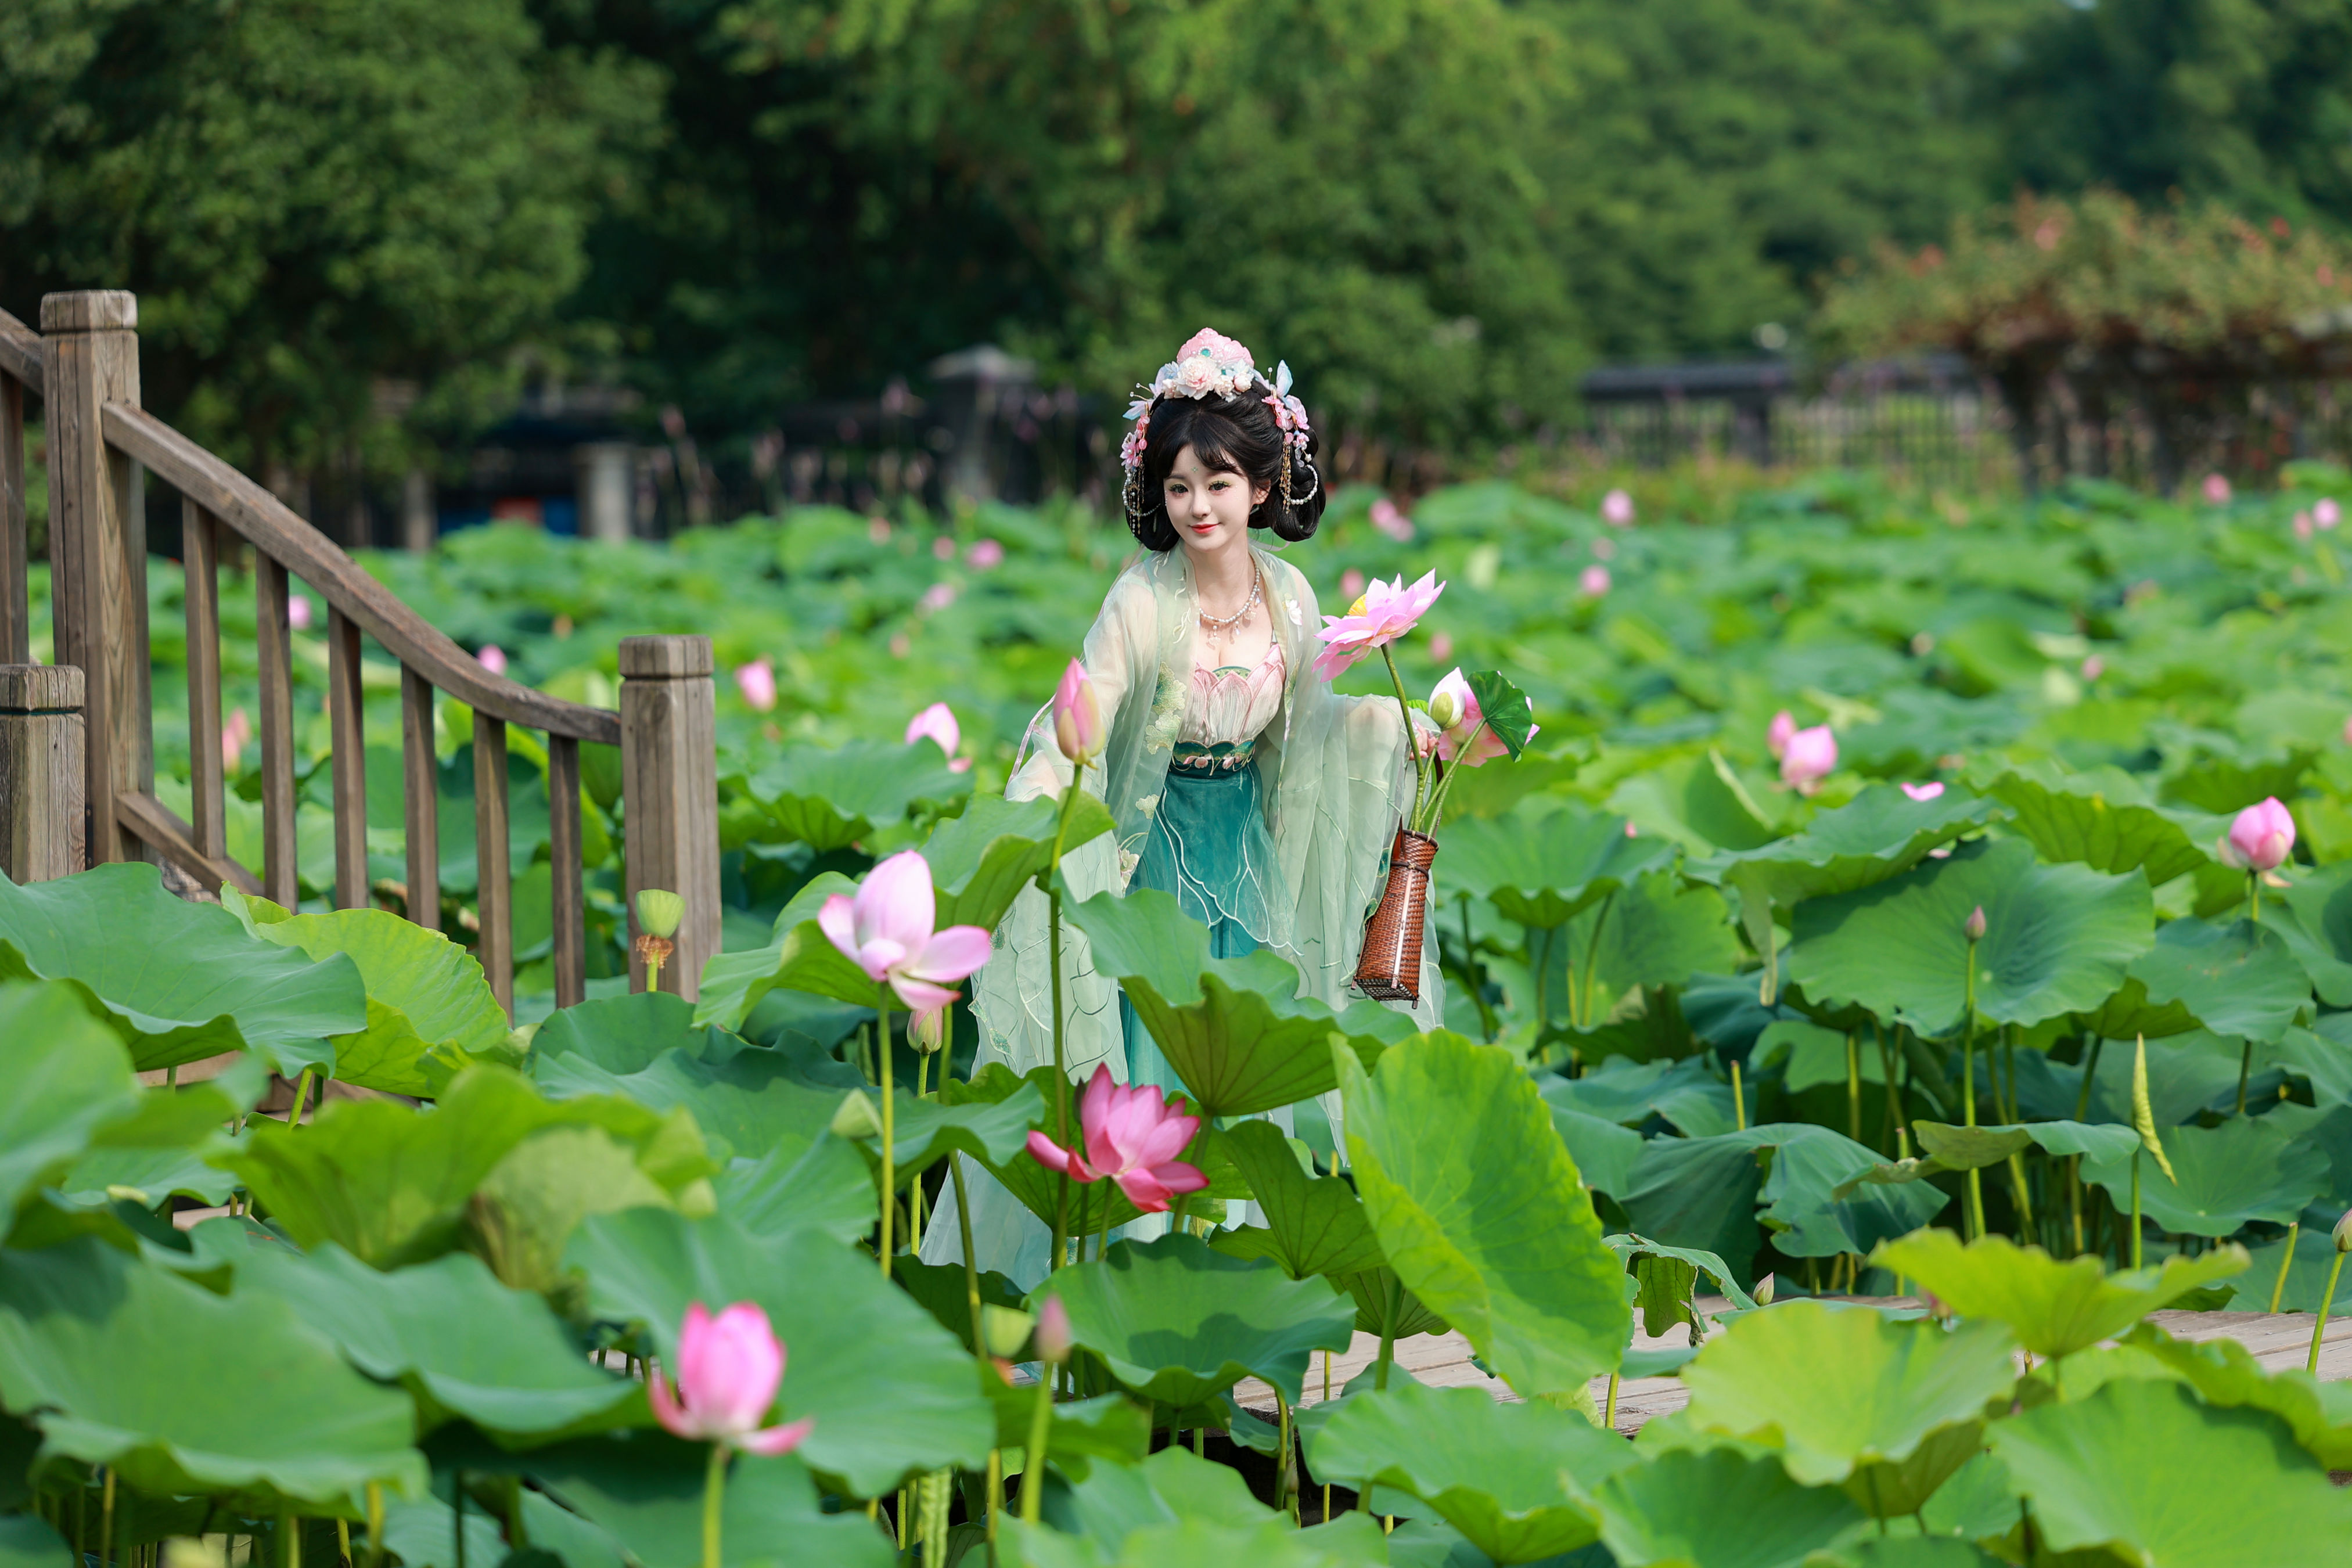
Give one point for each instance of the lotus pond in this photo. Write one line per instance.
(1987, 1005)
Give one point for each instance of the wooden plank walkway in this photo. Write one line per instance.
(2277, 1340)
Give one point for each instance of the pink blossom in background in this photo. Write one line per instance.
(1351, 585)
(1617, 509)
(1629, 829)
(943, 548)
(901, 646)
(2347, 732)
(877, 529)
(2327, 514)
(2217, 490)
(1926, 791)
(493, 659)
(1441, 646)
(886, 931)
(1386, 612)
(1592, 582)
(729, 1370)
(2093, 668)
(1056, 1339)
(986, 555)
(1810, 757)
(1132, 1134)
(1776, 735)
(1390, 521)
(938, 597)
(298, 613)
(233, 735)
(939, 722)
(757, 682)
(2259, 839)
(2303, 526)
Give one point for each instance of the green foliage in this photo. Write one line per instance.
(2055, 1308)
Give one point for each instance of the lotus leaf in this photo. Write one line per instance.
(1177, 1512)
(1687, 1094)
(1905, 1551)
(1479, 1210)
(1234, 1029)
(646, 1493)
(1543, 873)
(177, 981)
(799, 957)
(2239, 981)
(625, 1035)
(1514, 1480)
(1316, 1223)
(1654, 930)
(824, 1186)
(1178, 1322)
(63, 1077)
(1839, 1389)
(981, 859)
(2224, 1372)
(2316, 926)
(1719, 1509)
(2223, 1177)
(94, 1347)
(2102, 818)
(1630, 1246)
(831, 799)
(2141, 1470)
(1109, 1427)
(2057, 938)
(1951, 1148)
(26, 1541)
(2055, 1308)
(1605, 1153)
(891, 1391)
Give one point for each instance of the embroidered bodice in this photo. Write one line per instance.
(1232, 705)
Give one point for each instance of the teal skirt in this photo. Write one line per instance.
(1210, 848)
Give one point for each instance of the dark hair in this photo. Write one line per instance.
(1233, 436)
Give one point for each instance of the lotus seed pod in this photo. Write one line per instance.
(1007, 1329)
(1444, 708)
(2344, 1232)
(658, 912)
(856, 1117)
(1975, 924)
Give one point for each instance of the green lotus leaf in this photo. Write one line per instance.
(1233, 1029)
(1316, 1223)
(1686, 1093)
(1698, 802)
(2239, 981)
(625, 1035)
(831, 799)
(1905, 1551)
(1632, 1248)
(147, 1177)
(2225, 780)
(1175, 1510)
(1836, 1389)
(1654, 930)
(2315, 923)
(1700, 1192)
(1951, 1148)
(1479, 1209)
(1378, 1293)
(422, 989)
(1704, 1192)
(465, 1344)
(1881, 833)
(1717, 1508)
(941, 1288)
(1178, 1322)
(63, 1075)
(392, 1184)
(26, 1541)
(2224, 1372)
(826, 1186)
(1605, 1153)
(1109, 1427)
(798, 957)
(645, 1491)
(2057, 938)
(2104, 818)
(2144, 1471)
(981, 859)
(2054, 1307)
(524, 1210)
(1514, 1480)
(2223, 1177)
(177, 981)
(892, 1391)
(94, 1347)
(749, 1101)
(1541, 874)
(924, 1132)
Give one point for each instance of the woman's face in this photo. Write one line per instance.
(1209, 507)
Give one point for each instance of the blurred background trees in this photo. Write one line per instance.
(357, 226)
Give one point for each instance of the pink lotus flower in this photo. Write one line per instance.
(298, 613)
(1351, 585)
(1592, 582)
(1441, 646)
(1078, 717)
(1389, 520)
(877, 529)
(886, 931)
(1810, 757)
(1132, 1135)
(2260, 839)
(938, 597)
(2303, 526)
(901, 645)
(1775, 738)
(2217, 490)
(233, 735)
(757, 682)
(943, 548)
(2327, 514)
(1462, 706)
(1056, 1340)
(728, 1369)
(1617, 509)
(493, 659)
(1923, 793)
(1386, 612)
(986, 555)
(2093, 668)
(939, 722)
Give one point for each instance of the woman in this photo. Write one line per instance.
(1238, 781)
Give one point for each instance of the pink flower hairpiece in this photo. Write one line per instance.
(1211, 365)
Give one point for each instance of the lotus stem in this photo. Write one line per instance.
(1445, 777)
(1894, 1095)
(1593, 959)
(889, 1134)
(2253, 896)
(290, 1535)
(1853, 1087)
(1285, 1474)
(2090, 1073)
(1470, 974)
(1411, 751)
(2008, 1069)
(1032, 1469)
(2134, 1220)
(2075, 1200)
(1050, 880)
(2278, 1289)
(1543, 974)
(2326, 1303)
(375, 1524)
(302, 1093)
(457, 1515)
(1388, 1337)
(1739, 1099)
(995, 1497)
(1609, 1414)
(343, 1542)
(105, 1517)
(714, 1504)
(2245, 1069)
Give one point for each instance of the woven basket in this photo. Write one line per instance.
(1389, 970)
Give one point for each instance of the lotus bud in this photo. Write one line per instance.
(2144, 1112)
(493, 659)
(1810, 757)
(856, 1117)
(927, 1029)
(2260, 839)
(1777, 737)
(1055, 1341)
(1763, 1292)
(1007, 1329)
(2344, 1232)
(1592, 582)
(1974, 926)
(658, 912)
(2327, 514)
(1617, 509)
(1078, 717)
(1445, 707)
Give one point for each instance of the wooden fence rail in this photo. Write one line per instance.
(100, 445)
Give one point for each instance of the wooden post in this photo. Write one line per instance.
(669, 792)
(43, 825)
(98, 548)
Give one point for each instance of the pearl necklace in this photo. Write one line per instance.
(1215, 626)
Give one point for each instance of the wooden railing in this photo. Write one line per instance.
(84, 365)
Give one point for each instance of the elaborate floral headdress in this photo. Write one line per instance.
(1211, 364)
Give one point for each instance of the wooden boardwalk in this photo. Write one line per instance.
(2277, 1340)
